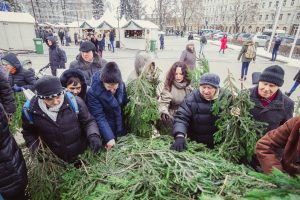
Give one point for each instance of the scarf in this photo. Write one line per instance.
(266, 101)
(53, 111)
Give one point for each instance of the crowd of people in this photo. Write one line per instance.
(83, 108)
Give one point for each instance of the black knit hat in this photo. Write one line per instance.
(210, 79)
(87, 46)
(48, 87)
(110, 73)
(273, 74)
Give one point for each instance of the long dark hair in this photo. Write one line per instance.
(171, 75)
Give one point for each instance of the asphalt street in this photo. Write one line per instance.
(219, 63)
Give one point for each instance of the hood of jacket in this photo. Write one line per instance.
(53, 40)
(12, 58)
(74, 73)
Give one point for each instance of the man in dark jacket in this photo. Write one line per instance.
(19, 77)
(105, 99)
(56, 123)
(88, 61)
(7, 98)
(194, 118)
(271, 105)
(276, 48)
(61, 35)
(13, 172)
(56, 55)
(112, 40)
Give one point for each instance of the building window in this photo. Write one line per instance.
(270, 4)
(273, 16)
(260, 17)
(298, 16)
(277, 2)
(263, 4)
(267, 16)
(292, 2)
(280, 16)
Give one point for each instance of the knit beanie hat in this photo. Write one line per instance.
(273, 74)
(210, 79)
(48, 87)
(110, 73)
(87, 46)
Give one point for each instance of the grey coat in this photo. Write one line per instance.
(244, 50)
(189, 59)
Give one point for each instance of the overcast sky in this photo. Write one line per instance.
(149, 4)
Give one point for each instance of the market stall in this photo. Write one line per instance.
(137, 34)
(16, 31)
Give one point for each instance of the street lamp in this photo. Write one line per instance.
(118, 45)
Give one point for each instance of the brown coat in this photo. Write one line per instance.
(170, 101)
(286, 137)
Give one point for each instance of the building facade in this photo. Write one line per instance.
(254, 15)
(55, 11)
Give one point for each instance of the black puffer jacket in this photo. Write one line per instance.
(6, 95)
(23, 77)
(56, 57)
(66, 75)
(67, 137)
(13, 172)
(194, 118)
(88, 69)
(276, 113)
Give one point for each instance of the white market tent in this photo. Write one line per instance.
(17, 31)
(138, 34)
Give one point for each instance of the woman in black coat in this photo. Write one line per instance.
(13, 172)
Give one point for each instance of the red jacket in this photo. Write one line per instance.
(286, 137)
(223, 42)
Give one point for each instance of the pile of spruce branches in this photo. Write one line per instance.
(147, 169)
(16, 123)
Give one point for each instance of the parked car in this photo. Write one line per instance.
(244, 37)
(261, 40)
(219, 35)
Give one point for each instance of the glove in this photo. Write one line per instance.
(179, 144)
(17, 88)
(164, 117)
(95, 143)
(9, 117)
(110, 144)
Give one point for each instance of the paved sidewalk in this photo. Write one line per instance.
(262, 53)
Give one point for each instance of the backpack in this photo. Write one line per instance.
(250, 53)
(62, 54)
(70, 96)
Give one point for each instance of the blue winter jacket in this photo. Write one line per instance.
(107, 108)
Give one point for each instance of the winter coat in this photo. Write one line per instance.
(6, 95)
(107, 108)
(101, 44)
(78, 74)
(285, 137)
(244, 50)
(23, 77)
(88, 69)
(203, 40)
(170, 101)
(297, 77)
(195, 120)
(223, 43)
(95, 42)
(162, 39)
(112, 36)
(13, 172)
(67, 137)
(276, 113)
(190, 37)
(188, 58)
(56, 57)
(277, 44)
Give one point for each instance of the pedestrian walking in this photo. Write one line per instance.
(223, 44)
(190, 37)
(248, 53)
(295, 85)
(203, 42)
(112, 40)
(188, 56)
(276, 48)
(61, 35)
(57, 56)
(162, 42)
(76, 38)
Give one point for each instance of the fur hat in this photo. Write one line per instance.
(87, 46)
(48, 87)
(110, 73)
(210, 79)
(273, 74)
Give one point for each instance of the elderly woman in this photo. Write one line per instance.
(176, 87)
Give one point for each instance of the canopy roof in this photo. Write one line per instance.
(139, 25)
(16, 17)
